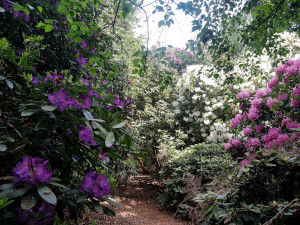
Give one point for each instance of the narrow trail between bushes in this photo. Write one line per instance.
(138, 197)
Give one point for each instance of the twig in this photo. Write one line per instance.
(270, 222)
(147, 20)
(116, 13)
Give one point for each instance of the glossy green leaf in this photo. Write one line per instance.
(110, 139)
(120, 125)
(3, 147)
(29, 112)
(9, 84)
(47, 194)
(14, 193)
(48, 108)
(29, 200)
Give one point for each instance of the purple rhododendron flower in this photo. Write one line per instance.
(83, 44)
(35, 80)
(95, 184)
(118, 102)
(85, 134)
(41, 214)
(32, 171)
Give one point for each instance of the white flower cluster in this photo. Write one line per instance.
(218, 132)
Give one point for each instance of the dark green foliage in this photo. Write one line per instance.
(189, 172)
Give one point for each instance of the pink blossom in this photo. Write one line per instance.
(268, 90)
(270, 102)
(236, 142)
(254, 142)
(272, 83)
(253, 114)
(236, 120)
(245, 162)
(228, 146)
(285, 121)
(295, 136)
(256, 102)
(247, 130)
(266, 138)
(282, 138)
(273, 132)
(290, 125)
(258, 128)
(243, 94)
(260, 93)
(282, 96)
(280, 70)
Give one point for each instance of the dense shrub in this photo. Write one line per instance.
(187, 172)
(62, 113)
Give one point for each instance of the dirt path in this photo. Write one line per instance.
(140, 206)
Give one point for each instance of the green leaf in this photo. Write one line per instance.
(40, 9)
(9, 84)
(6, 186)
(122, 124)
(49, 21)
(40, 24)
(29, 200)
(77, 40)
(47, 194)
(5, 202)
(48, 28)
(48, 108)
(29, 112)
(74, 27)
(82, 198)
(110, 139)
(3, 148)
(56, 179)
(161, 23)
(110, 75)
(58, 185)
(98, 208)
(108, 211)
(87, 115)
(113, 203)
(14, 193)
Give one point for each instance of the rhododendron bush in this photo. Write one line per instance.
(63, 111)
(269, 117)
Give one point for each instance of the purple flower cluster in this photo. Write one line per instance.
(96, 184)
(41, 214)
(56, 78)
(82, 60)
(83, 44)
(119, 102)
(85, 134)
(35, 80)
(32, 171)
(18, 14)
(62, 101)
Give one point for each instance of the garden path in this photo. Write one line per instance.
(138, 197)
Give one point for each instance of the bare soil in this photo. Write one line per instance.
(138, 197)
